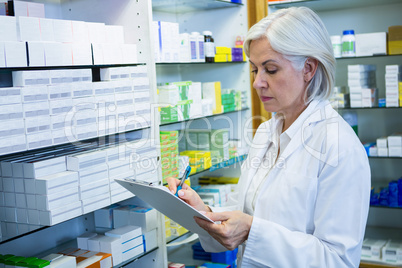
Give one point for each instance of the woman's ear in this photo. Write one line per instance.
(310, 67)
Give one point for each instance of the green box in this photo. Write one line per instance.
(169, 114)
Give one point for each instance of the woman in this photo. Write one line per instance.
(303, 195)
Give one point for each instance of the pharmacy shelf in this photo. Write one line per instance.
(378, 206)
(367, 57)
(197, 63)
(368, 108)
(136, 258)
(384, 157)
(184, 6)
(325, 5)
(200, 118)
(223, 164)
(376, 264)
(172, 238)
(8, 69)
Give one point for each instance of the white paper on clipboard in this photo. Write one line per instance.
(160, 198)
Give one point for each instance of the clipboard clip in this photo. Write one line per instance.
(131, 179)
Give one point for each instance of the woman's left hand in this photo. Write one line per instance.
(233, 230)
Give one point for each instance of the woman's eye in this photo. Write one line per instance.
(254, 71)
(271, 71)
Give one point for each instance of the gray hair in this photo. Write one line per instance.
(298, 33)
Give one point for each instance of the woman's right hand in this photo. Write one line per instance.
(187, 194)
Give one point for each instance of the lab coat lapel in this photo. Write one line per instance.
(304, 133)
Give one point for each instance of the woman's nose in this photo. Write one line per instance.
(259, 81)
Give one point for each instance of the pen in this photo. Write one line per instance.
(183, 179)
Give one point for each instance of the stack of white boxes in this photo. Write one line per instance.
(392, 252)
(52, 186)
(362, 86)
(93, 179)
(195, 94)
(382, 146)
(395, 145)
(53, 107)
(54, 42)
(166, 41)
(372, 249)
(392, 77)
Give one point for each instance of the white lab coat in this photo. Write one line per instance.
(312, 209)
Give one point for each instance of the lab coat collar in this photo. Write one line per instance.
(301, 130)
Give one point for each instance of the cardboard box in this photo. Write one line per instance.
(395, 40)
(135, 215)
(80, 32)
(372, 248)
(112, 245)
(8, 31)
(29, 29)
(15, 54)
(371, 44)
(82, 240)
(61, 214)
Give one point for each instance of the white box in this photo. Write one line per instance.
(81, 75)
(395, 151)
(89, 190)
(2, 55)
(134, 215)
(382, 152)
(393, 69)
(9, 200)
(81, 161)
(22, 215)
(97, 54)
(125, 233)
(129, 52)
(104, 217)
(62, 261)
(30, 78)
(35, 94)
(150, 240)
(44, 166)
(392, 252)
(111, 73)
(63, 31)
(37, 124)
(395, 140)
(96, 32)
(35, 109)
(60, 214)
(382, 142)
(56, 182)
(60, 107)
(80, 32)
(8, 31)
(28, 29)
(39, 140)
(371, 44)
(12, 144)
(120, 196)
(103, 88)
(82, 240)
(60, 92)
(82, 54)
(114, 34)
(33, 216)
(112, 245)
(83, 89)
(372, 248)
(53, 54)
(129, 254)
(55, 200)
(361, 68)
(94, 243)
(16, 54)
(36, 54)
(12, 128)
(11, 111)
(95, 203)
(47, 30)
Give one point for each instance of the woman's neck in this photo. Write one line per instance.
(290, 117)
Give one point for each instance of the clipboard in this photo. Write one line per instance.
(160, 198)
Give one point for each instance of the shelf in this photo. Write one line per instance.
(223, 164)
(184, 6)
(368, 108)
(135, 258)
(384, 157)
(376, 264)
(171, 239)
(8, 69)
(198, 118)
(367, 57)
(197, 63)
(326, 5)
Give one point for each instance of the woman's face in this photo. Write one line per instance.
(280, 87)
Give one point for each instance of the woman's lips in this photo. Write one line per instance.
(264, 99)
